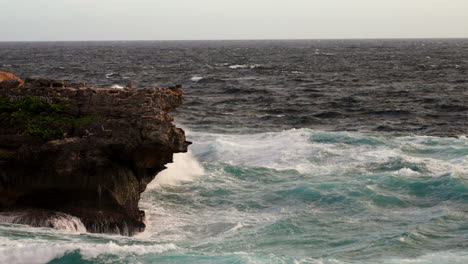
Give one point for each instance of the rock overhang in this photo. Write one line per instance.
(107, 145)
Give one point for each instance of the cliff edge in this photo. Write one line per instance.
(87, 152)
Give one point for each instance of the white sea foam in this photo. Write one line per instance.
(297, 72)
(42, 251)
(445, 257)
(180, 212)
(92, 251)
(278, 150)
(245, 66)
(55, 220)
(191, 213)
(239, 66)
(112, 74)
(407, 172)
(238, 226)
(116, 86)
(196, 78)
(68, 223)
(297, 149)
(184, 168)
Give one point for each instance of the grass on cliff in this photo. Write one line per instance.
(41, 120)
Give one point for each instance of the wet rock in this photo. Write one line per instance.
(111, 144)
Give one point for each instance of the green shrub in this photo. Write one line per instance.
(42, 120)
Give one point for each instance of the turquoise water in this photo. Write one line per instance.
(297, 196)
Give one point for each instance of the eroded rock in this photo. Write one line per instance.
(44, 82)
(8, 80)
(93, 157)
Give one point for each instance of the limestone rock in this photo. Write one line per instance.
(111, 144)
(44, 82)
(8, 80)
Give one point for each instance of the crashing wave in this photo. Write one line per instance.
(17, 252)
(39, 218)
(184, 168)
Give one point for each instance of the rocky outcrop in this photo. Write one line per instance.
(44, 82)
(87, 152)
(8, 80)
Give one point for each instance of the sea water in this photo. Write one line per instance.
(303, 152)
(296, 196)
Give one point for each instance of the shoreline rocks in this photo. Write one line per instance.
(8, 80)
(87, 152)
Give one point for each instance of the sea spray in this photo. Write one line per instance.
(44, 218)
(184, 168)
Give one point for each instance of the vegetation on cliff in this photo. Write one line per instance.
(41, 120)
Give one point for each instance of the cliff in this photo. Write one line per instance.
(8, 80)
(87, 152)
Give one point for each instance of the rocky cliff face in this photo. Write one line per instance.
(87, 152)
(8, 80)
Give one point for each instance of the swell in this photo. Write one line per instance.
(293, 196)
(351, 195)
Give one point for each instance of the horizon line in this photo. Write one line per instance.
(259, 39)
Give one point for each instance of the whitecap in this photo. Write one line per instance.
(112, 74)
(196, 78)
(297, 72)
(245, 66)
(35, 252)
(238, 66)
(238, 226)
(407, 172)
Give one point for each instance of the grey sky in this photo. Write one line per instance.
(231, 19)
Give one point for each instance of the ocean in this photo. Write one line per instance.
(304, 151)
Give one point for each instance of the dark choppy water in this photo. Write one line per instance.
(304, 152)
(409, 86)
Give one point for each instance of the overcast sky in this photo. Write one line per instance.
(231, 19)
